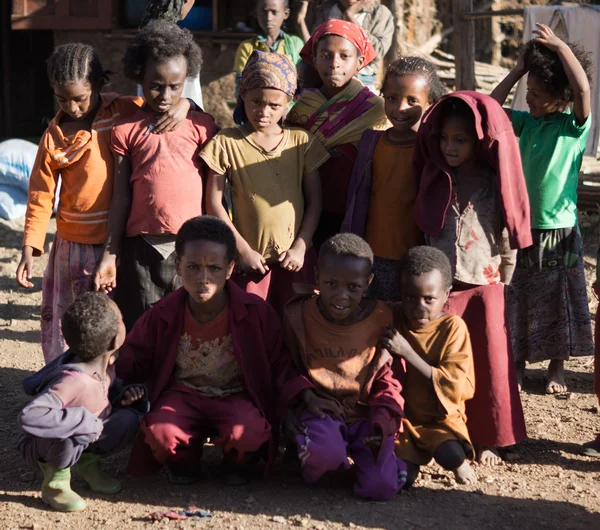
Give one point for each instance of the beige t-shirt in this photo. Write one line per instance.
(267, 195)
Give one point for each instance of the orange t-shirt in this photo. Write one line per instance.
(339, 359)
(205, 359)
(391, 227)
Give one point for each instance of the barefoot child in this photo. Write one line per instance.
(333, 338)
(80, 413)
(549, 309)
(159, 180)
(382, 186)
(272, 171)
(439, 367)
(212, 356)
(76, 148)
(472, 204)
(338, 112)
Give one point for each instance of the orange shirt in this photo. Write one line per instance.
(340, 359)
(391, 227)
(205, 359)
(84, 163)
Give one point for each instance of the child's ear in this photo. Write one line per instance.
(361, 62)
(113, 358)
(230, 268)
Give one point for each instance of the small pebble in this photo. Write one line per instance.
(278, 519)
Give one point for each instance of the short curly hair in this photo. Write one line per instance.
(418, 67)
(545, 66)
(422, 260)
(347, 245)
(89, 325)
(206, 228)
(160, 41)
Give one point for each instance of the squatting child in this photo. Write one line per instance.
(81, 412)
(333, 337)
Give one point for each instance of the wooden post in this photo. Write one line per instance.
(464, 45)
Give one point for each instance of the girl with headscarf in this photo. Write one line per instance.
(271, 171)
(338, 112)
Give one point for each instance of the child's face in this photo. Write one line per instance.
(265, 107)
(342, 282)
(457, 141)
(162, 83)
(406, 98)
(540, 101)
(337, 60)
(76, 99)
(423, 298)
(270, 15)
(204, 270)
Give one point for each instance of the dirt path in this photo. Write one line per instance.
(545, 484)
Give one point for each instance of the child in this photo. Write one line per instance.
(592, 448)
(382, 186)
(80, 413)
(549, 309)
(271, 15)
(337, 113)
(472, 204)
(76, 147)
(159, 178)
(439, 367)
(272, 171)
(333, 338)
(213, 359)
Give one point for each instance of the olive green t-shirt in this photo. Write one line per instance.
(552, 149)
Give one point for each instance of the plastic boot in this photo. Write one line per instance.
(57, 492)
(88, 469)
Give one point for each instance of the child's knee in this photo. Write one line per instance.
(450, 455)
(246, 437)
(163, 438)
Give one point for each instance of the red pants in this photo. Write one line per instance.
(181, 420)
(277, 286)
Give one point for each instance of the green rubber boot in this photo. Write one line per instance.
(57, 492)
(88, 469)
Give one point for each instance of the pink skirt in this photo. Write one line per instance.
(69, 273)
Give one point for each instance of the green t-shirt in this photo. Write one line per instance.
(552, 149)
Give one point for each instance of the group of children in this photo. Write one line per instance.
(349, 286)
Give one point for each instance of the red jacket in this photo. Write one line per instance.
(497, 146)
(150, 351)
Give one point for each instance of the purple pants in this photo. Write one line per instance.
(327, 445)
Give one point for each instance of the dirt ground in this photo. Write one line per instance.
(544, 482)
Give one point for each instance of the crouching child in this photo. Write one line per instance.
(81, 412)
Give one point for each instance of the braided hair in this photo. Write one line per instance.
(418, 67)
(169, 10)
(74, 62)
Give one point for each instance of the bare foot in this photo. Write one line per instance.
(556, 377)
(464, 474)
(520, 366)
(488, 456)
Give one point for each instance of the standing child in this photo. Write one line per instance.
(382, 187)
(472, 204)
(338, 112)
(333, 338)
(158, 177)
(76, 148)
(439, 367)
(81, 413)
(272, 171)
(271, 15)
(550, 316)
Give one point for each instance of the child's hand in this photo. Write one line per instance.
(25, 268)
(357, 7)
(521, 67)
(173, 118)
(105, 278)
(395, 343)
(302, 11)
(374, 441)
(292, 259)
(318, 406)
(131, 395)
(547, 37)
(252, 261)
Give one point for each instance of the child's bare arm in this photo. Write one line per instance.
(293, 259)
(396, 344)
(573, 69)
(501, 92)
(249, 259)
(106, 273)
(301, 20)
